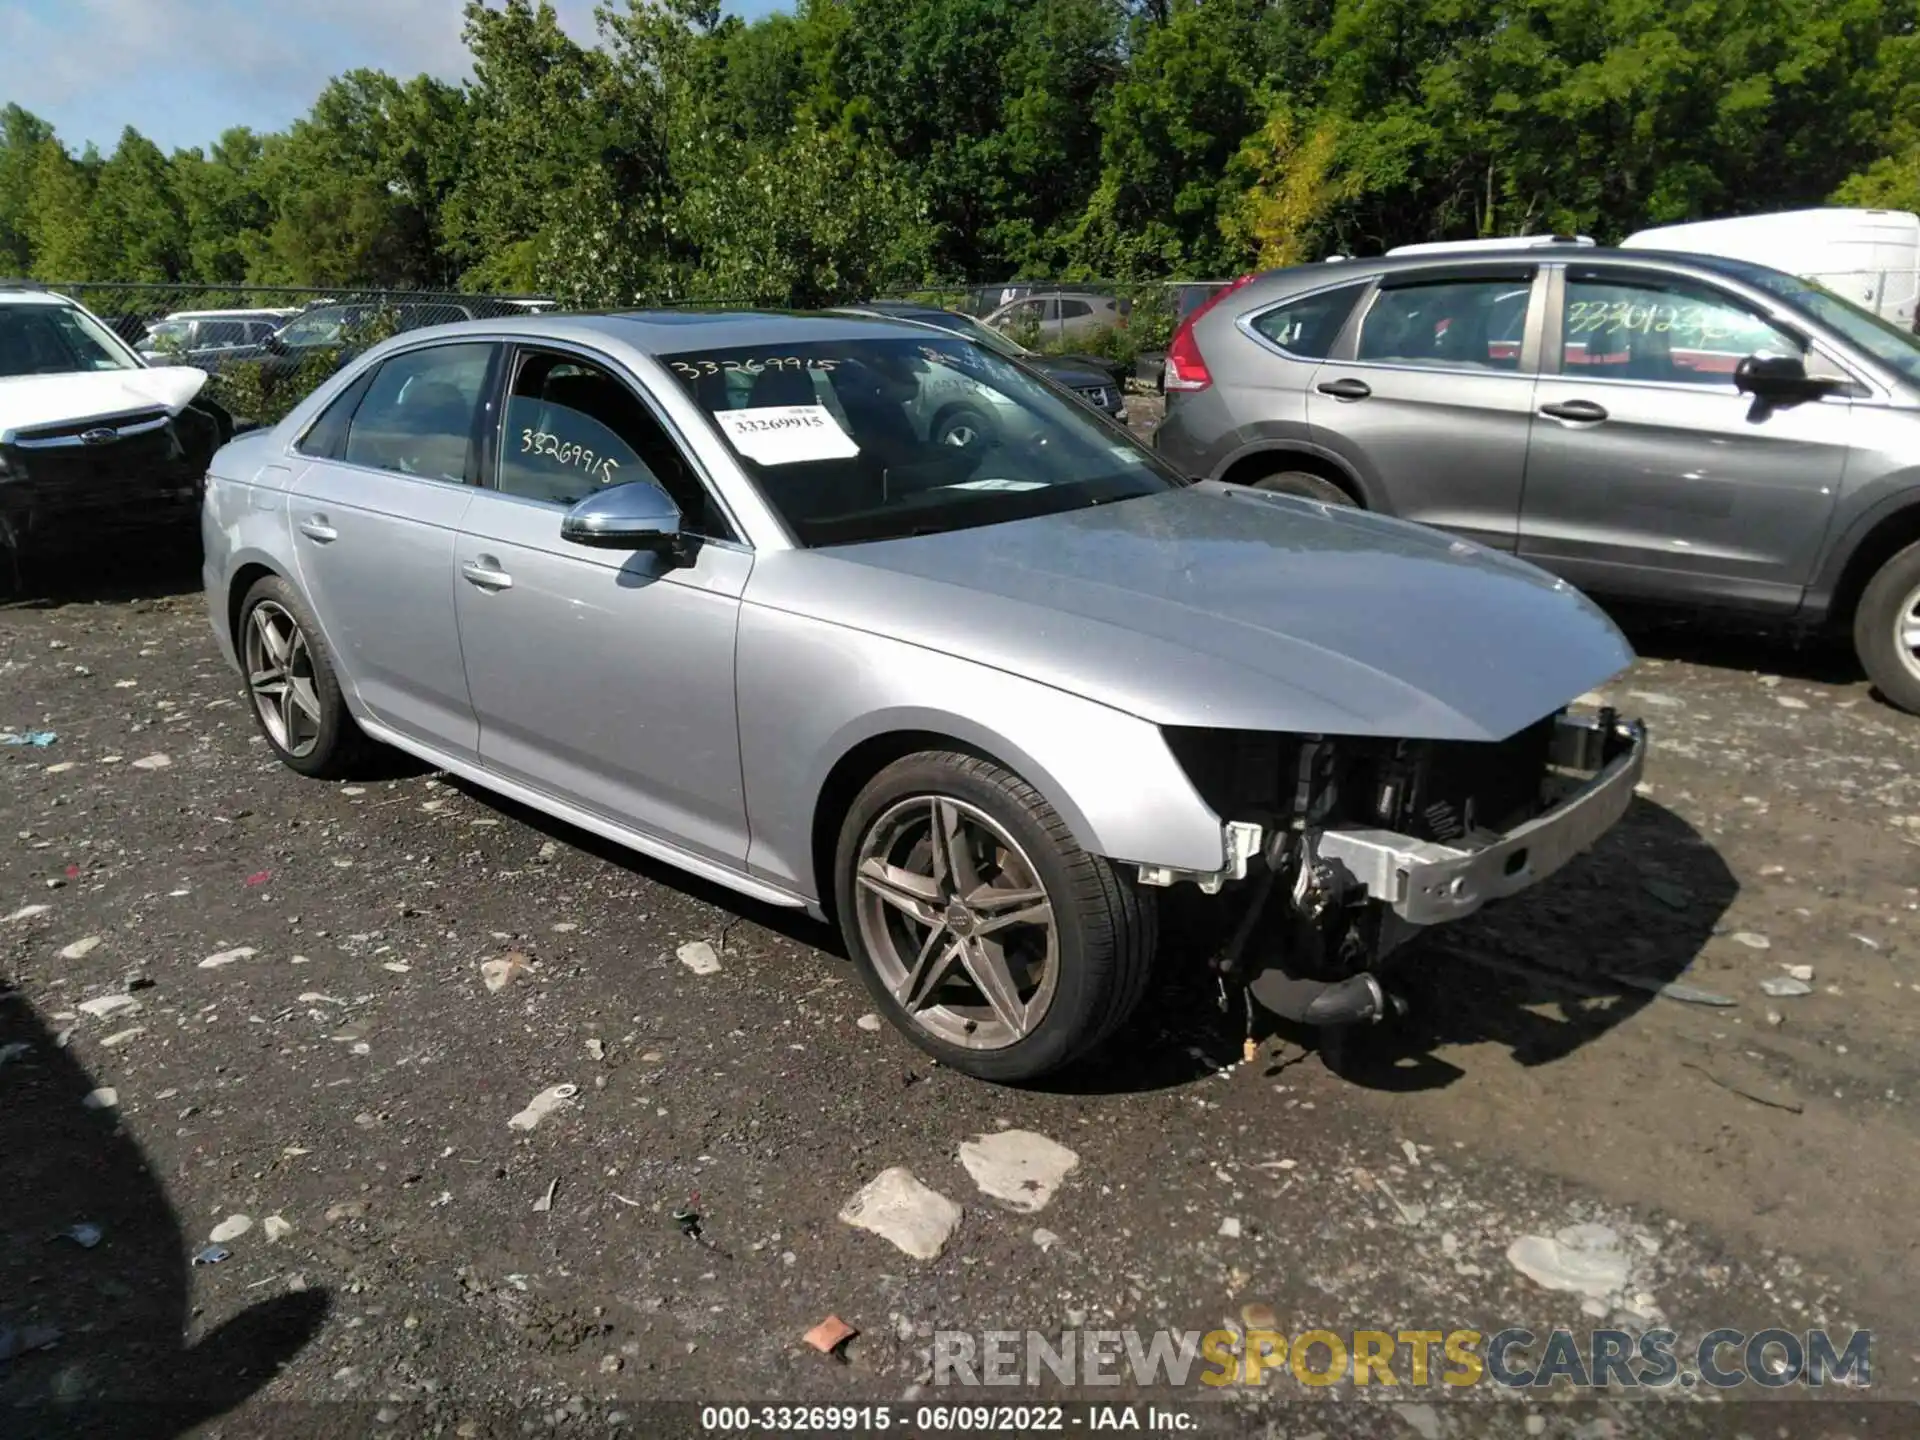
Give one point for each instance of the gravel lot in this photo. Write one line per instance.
(311, 1038)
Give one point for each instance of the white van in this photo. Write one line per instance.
(1871, 257)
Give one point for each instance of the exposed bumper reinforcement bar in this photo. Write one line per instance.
(1426, 883)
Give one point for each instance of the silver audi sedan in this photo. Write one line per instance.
(733, 590)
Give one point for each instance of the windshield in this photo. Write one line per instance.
(971, 328)
(1883, 340)
(167, 332)
(318, 327)
(56, 340)
(880, 438)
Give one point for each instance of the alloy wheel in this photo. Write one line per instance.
(957, 922)
(280, 677)
(1907, 631)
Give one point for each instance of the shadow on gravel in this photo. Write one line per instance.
(92, 1340)
(794, 925)
(1732, 643)
(1541, 974)
(117, 570)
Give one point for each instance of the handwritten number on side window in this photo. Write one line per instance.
(1698, 324)
(541, 442)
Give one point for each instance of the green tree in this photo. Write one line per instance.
(59, 224)
(22, 134)
(139, 222)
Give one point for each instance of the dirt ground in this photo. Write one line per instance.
(303, 1036)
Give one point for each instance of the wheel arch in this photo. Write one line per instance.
(866, 757)
(1886, 537)
(1248, 465)
(249, 574)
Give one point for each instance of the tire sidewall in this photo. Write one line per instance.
(1068, 1023)
(336, 724)
(983, 426)
(1875, 641)
(1305, 485)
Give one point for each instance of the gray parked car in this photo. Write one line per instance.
(1061, 315)
(707, 585)
(1652, 427)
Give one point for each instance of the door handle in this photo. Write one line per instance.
(315, 527)
(487, 574)
(1577, 410)
(1346, 389)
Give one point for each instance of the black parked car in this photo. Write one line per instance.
(1089, 377)
(342, 331)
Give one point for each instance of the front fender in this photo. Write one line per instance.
(811, 691)
(1863, 511)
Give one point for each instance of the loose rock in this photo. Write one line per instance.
(231, 1228)
(500, 972)
(698, 957)
(1019, 1167)
(80, 949)
(1583, 1259)
(228, 957)
(553, 1098)
(899, 1209)
(1782, 986)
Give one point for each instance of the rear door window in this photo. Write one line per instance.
(417, 417)
(1451, 324)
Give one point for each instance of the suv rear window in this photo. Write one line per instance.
(1308, 326)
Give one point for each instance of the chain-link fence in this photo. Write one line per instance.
(267, 346)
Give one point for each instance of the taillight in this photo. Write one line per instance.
(1185, 369)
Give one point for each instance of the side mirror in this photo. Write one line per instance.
(1778, 377)
(638, 515)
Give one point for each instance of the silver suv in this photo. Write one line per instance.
(1652, 427)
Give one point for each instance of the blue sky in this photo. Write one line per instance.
(181, 71)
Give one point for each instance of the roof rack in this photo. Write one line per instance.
(1509, 242)
(8, 282)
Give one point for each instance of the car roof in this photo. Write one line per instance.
(1364, 267)
(893, 307)
(12, 296)
(674, 332)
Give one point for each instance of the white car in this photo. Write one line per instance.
(91, 436)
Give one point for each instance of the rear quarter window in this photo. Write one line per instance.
(1308, 326)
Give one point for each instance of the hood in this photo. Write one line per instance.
(1221, 606)
(1072, 371)
(30, 401)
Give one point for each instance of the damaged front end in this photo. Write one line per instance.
(1345, 847)
(71, 481)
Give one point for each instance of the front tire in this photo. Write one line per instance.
(982, 929)
(1886, 629)
(293, 685)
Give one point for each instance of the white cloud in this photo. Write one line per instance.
(182, 70)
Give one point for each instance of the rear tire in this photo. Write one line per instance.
(1307, 485)
(1064, 940)
(1886, 629)
(963, 427)
(294, 688)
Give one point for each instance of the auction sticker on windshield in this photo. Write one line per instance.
(786, 434)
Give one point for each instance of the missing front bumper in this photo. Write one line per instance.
(1597, 761)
